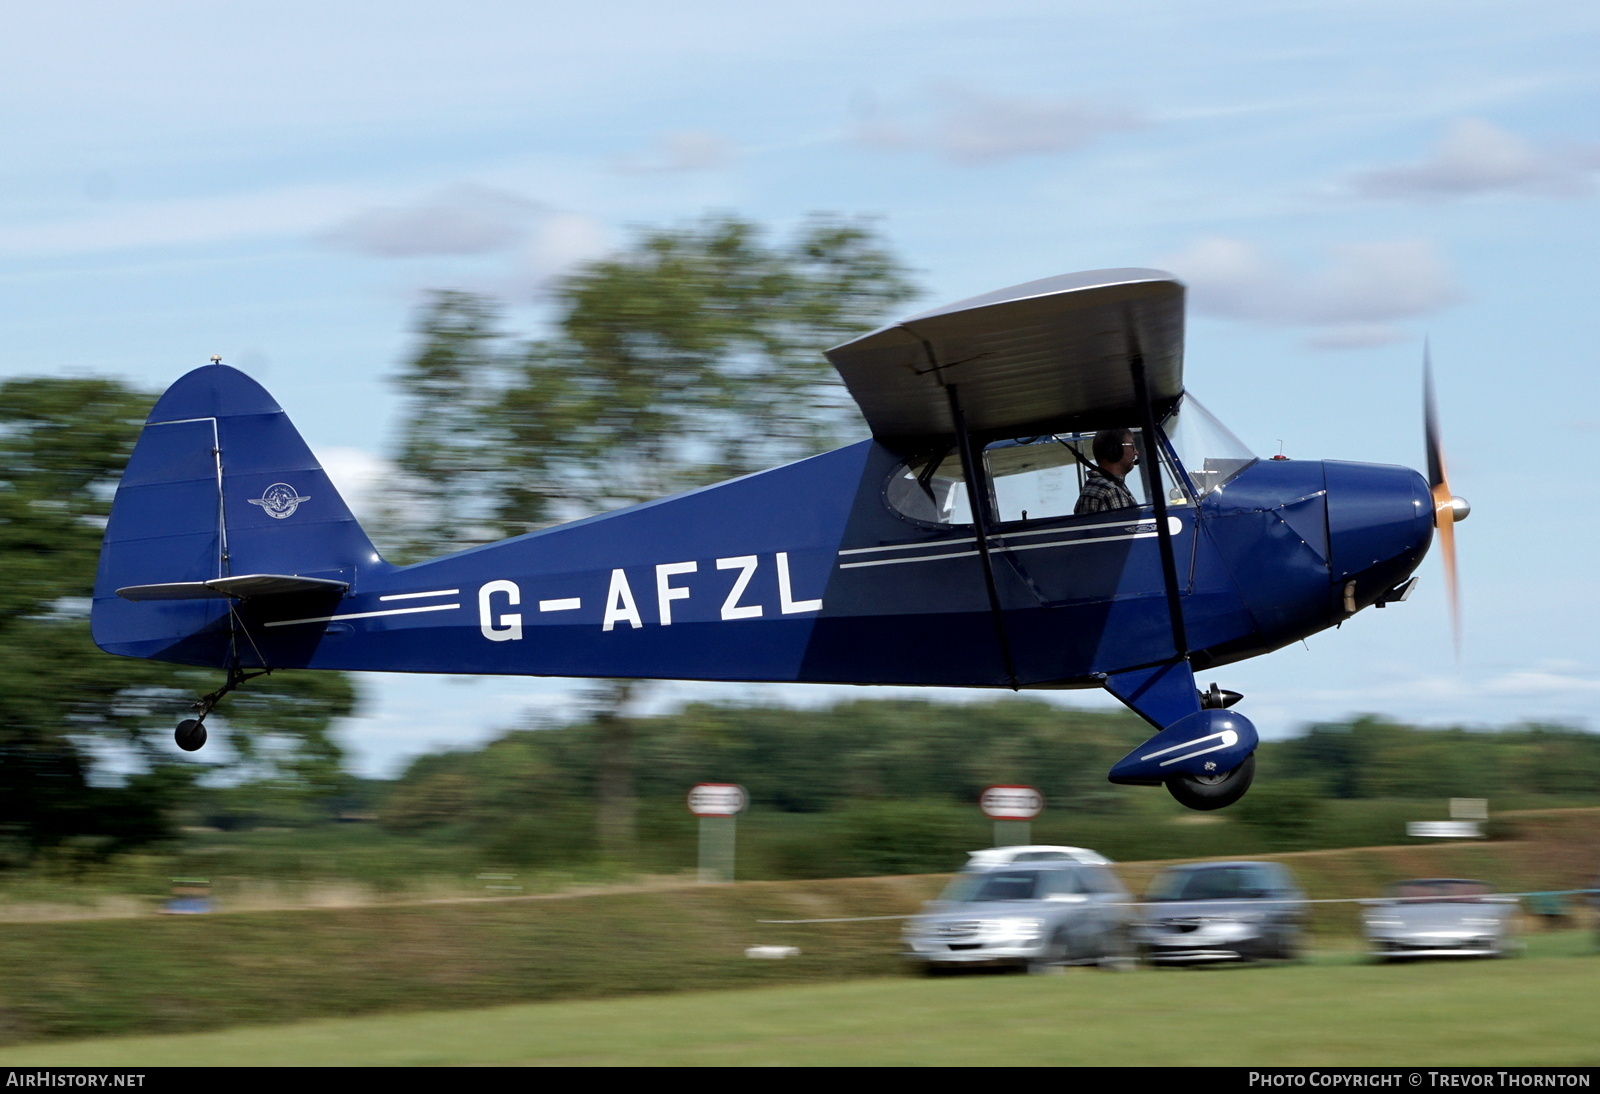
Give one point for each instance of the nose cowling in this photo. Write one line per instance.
(1380, 523)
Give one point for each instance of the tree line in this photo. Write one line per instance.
(811, 761)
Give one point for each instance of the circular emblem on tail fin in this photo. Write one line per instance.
(280, 500)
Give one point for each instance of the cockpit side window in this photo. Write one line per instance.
(1031, 478)
(931, 488)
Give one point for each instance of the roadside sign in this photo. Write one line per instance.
(717, 800)
(1452, 829)
(1011, 803)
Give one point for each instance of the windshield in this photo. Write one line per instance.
(1221, 883)
(1441, 891)
(999, 885)
(1207, 449)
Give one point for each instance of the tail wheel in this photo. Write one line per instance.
(1213, 791)
(190, 734)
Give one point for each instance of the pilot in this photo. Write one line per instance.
(1104, 487)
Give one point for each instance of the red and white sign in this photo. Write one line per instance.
(1011, 803)
(717, 800)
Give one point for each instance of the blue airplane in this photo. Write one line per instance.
(1041, 505)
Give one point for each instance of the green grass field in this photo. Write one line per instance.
(70, 980)
(1541, 1008)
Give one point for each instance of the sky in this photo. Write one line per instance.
(281, 184)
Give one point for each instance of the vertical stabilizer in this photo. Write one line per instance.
(220, 485)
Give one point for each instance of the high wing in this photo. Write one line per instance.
(1040, 357)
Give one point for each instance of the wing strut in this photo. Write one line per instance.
(977, 497)
(1158, 496)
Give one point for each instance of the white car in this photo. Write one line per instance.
(1031, 907)
(1439, 917)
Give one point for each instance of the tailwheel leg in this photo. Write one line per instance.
(191, 732)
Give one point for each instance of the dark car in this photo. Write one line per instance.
(1221, 911)
(1031, 907)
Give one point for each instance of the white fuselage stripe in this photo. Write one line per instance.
(363, 615)
(999, 547)
(1006, 535)
(898, 561)
(910, 546)
(1001, 542)
(415, 596)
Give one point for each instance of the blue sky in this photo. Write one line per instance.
(280, 183)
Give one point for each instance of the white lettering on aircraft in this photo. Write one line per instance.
(731, 608)
(666, 592)
(508, 628)
(622, 607)
(786, 598)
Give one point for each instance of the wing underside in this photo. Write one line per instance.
(1040, 357)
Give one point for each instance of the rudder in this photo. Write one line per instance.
(219, 485)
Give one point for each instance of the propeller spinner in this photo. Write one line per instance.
(1447, 508)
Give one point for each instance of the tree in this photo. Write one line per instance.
(64, 705)
(692, 356)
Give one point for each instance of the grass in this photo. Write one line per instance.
(1541, 1009)
(93, 977)
(74, 979)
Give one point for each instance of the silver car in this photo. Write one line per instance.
(1439, 917)
(1036, 908)
(1221, 911)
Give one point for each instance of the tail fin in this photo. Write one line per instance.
(219, 487)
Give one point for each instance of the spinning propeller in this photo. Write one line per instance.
(1447, 508)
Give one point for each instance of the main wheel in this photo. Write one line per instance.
(190, 734)
(1213, 791)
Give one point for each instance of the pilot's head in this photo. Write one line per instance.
(1114, 451)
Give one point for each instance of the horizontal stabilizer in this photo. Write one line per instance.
(241, 587)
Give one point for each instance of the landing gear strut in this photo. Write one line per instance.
(191, 732)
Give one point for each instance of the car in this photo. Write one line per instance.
(1006, 856)
(1439, 917)
(1221, 911)
(1037, 908)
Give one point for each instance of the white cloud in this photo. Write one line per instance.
(225, 218)
(1354, 298)
(556, 244)
(461, 220)
(685, 150)
(1475, 157)
(1543, 683)
(981, 129)
(971, 129)
(1357, 336)
(357, 474)
(562, 241)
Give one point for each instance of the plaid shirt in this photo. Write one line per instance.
(1102, 492)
